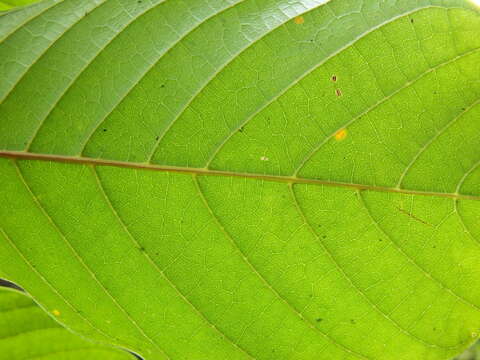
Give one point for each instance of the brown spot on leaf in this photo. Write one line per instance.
(414, 217)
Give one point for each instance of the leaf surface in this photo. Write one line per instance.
(246, 179)
(26, 332)
(12, 4)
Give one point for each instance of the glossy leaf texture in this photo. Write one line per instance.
(247, 179)
(26, 332)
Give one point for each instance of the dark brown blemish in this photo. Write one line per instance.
(413, 216)
(338, 92)
(334, 78)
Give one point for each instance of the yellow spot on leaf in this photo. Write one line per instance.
(299, 20)
(264, 158)
(56, 312)
(341, 134)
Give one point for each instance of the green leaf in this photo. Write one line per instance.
(268, 179)
(11, 4)
(26, 332)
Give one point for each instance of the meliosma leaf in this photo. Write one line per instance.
(256, 179)
(26, 332)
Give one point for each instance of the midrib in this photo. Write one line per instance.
(21, 155)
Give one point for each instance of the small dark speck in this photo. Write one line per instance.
(334, 78)
(380, 239)
(319, 319)
(319, 225)
(104, 130)
(324, 236)
(158, 137)
(411, 20)
(434, 247)
(141, 248)
(241, 129)
(338, 92)
(435, 92)
(464, 109)
(139, 1)
(162, 86)
(352, 321)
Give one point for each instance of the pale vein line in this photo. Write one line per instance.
(29, 67)
(374, 106)
(264, 280)
(309, 71)
(30, 19)
(464, 225)
(201, 171)
(150, 67)
(354, 286)
(81, 261)
(220, 69)
(464, 177)
(455, 202)
(411, 259)
(54, 290)
(84, 68)
(432, 140)
(157, 268)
